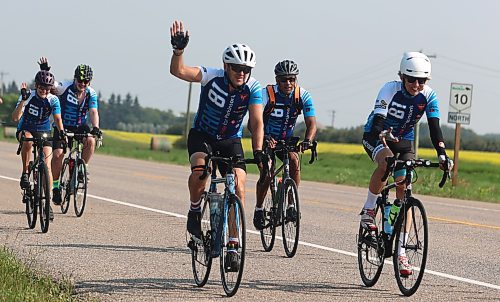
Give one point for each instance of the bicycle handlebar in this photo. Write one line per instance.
(79, 135)
(291, 144)
(410, 165)
(37, 140)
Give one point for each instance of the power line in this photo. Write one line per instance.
(471, 64)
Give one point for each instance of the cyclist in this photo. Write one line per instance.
(78, 103)
(226, 96)
(35, 120)
(398, 108)
(284, 102)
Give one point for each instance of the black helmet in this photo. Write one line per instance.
(44, 77)
(286, 67)
(83, 72)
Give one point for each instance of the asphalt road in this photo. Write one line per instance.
(130, 244)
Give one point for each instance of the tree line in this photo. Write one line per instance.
(126, 114)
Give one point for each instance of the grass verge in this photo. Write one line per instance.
(477, 180)
(21, 283)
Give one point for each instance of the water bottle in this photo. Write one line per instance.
(387, 225)
(216, 204)
(280, 187)
(394, 211)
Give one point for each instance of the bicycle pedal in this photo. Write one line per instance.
(192, 246)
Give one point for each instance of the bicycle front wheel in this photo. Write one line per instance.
(268, 233)
(232, 259)
(291, 218)
(412, 235)
(30, 200)
(65, 185)
(371, 251)
(80, 194)
(43, 188)
(201, 248)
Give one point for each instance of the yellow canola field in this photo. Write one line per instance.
(323, 147)
(144, 138)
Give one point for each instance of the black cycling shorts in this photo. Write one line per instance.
(403, 149)
(226, 148)
(58, 143)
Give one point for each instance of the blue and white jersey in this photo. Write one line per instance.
(73, 113)
(401, 110)
(220, 112)
(37, 111)
(281, 121)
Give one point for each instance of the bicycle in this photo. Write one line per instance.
(380, 243)
(37, 195)
(73, 181)
(282, 197)
(219, 210)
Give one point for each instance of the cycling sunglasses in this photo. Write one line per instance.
(239, 68)
(412, 80)
(83, 81)
(289, 79)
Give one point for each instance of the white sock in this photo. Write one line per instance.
(403, 238)
(371, 200)
(259, 209)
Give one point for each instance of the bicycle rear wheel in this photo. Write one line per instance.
(371, 251)
(65, 185)
(231, 278)
(43, 188)
(30, 201)
(291, 218)
(80, 194)
(415, 242)
(268, 233)
(201, 248)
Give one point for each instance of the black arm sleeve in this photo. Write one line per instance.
(436, 135)
(377, 125)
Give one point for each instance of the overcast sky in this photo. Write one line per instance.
(345, 50)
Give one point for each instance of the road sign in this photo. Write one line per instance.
(459, 111)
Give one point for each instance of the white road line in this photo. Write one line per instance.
(313, 245)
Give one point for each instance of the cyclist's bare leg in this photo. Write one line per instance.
(294, 167)
(88, 149)
(376, 183)
(26, 151)
(47, 151)
(261, 190)
(195, 184)
(241, 176)
(56, 165)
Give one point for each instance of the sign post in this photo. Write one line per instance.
(459, 113)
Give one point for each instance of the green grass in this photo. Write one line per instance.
(21, 283)
(477, 181)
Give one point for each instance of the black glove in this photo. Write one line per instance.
(44, 66)
(96, 132)
(25, 94)
(179, 40)
(62, 134)
(305, 145)
(259, 156)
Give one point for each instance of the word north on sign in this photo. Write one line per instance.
(460, 103)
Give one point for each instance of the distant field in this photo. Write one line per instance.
(479, 172)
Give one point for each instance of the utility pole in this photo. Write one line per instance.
(187, 111)
(2, 73)
(333, 117)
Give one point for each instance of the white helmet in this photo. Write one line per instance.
(239, 54)
(415, 64)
